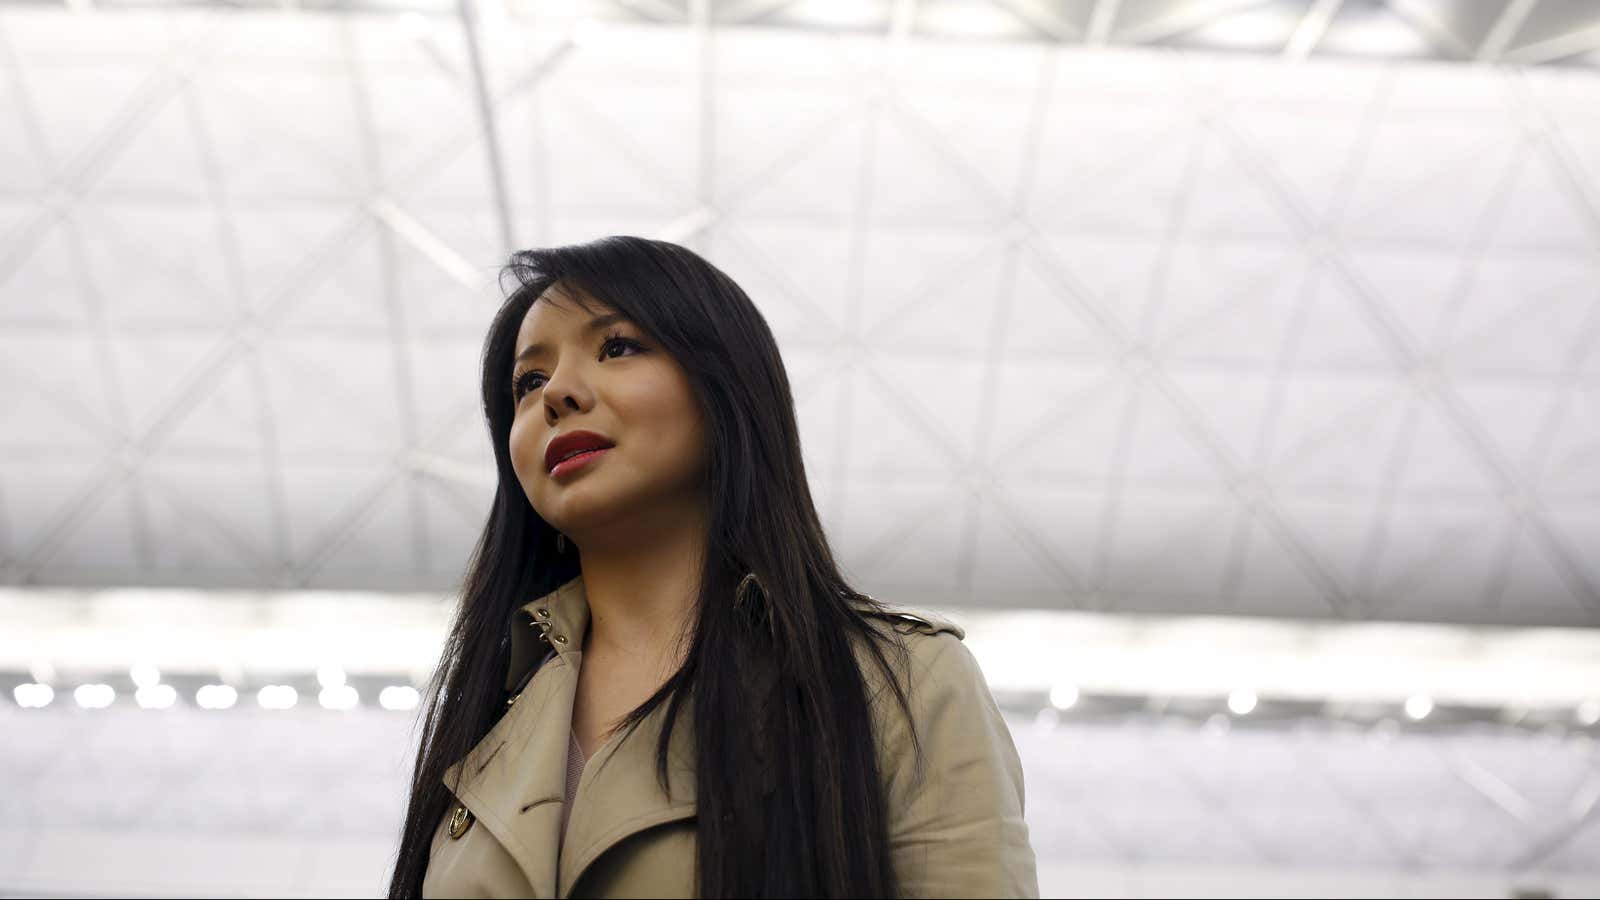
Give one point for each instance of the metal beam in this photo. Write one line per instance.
(1570, 44)
(1445, 42)
(402, 343)
(1504, 29)
(487, 121)
(652, 10)
(1043, 18)
(1188, 17)
(1311, 29)
(752, 10)
(1100, 19)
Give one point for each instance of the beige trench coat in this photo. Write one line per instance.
(960, 833)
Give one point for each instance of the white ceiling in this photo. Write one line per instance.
(1131, 329)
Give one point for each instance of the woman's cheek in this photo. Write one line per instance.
(521, 458)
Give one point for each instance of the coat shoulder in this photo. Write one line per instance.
(929, 659)
(910, 620)
(953, 780)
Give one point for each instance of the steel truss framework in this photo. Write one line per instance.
(1139, 330)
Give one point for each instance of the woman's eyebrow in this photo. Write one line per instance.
(595, 324)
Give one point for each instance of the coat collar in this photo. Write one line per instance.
(514, 779)
(555, 621)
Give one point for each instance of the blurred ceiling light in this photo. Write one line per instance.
(145, 675)
(1546, 671)
(1241, 702)
(1064, 696)
(33, 695)
(1418, 706)
(155, 696)
(1588, 713)
(216, 696)
(341, 696)
(277, 696)
(330, 676)
(398, 696)
(94, 696)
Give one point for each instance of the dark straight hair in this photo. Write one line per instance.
(790, 800)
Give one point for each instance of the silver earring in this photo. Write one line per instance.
(561, 542)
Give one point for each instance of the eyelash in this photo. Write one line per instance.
(517, 389)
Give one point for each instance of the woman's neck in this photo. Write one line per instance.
(642, 592)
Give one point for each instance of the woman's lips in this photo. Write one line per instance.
(574, 463)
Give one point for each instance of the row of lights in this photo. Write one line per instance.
(1243, 701)
(338, 695)
(152, 694)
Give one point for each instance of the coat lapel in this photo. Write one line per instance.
(514, 779)
(619, 794)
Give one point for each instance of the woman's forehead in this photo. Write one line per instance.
(550, 313)
(562, 302)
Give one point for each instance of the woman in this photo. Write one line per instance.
(657, 681)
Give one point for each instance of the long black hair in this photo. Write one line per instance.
(771, 669)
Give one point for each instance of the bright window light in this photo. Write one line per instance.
(1589, 712)
(399, 696)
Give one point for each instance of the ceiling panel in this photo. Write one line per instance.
(1141, 329)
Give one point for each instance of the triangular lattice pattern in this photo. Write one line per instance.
(1138, 330)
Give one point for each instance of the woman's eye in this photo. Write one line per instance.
(524, 383)
(617, 341)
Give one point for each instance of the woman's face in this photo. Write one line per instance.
(593, 373)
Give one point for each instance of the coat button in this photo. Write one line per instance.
(460, 821)
(542, 613)
(559, 638)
